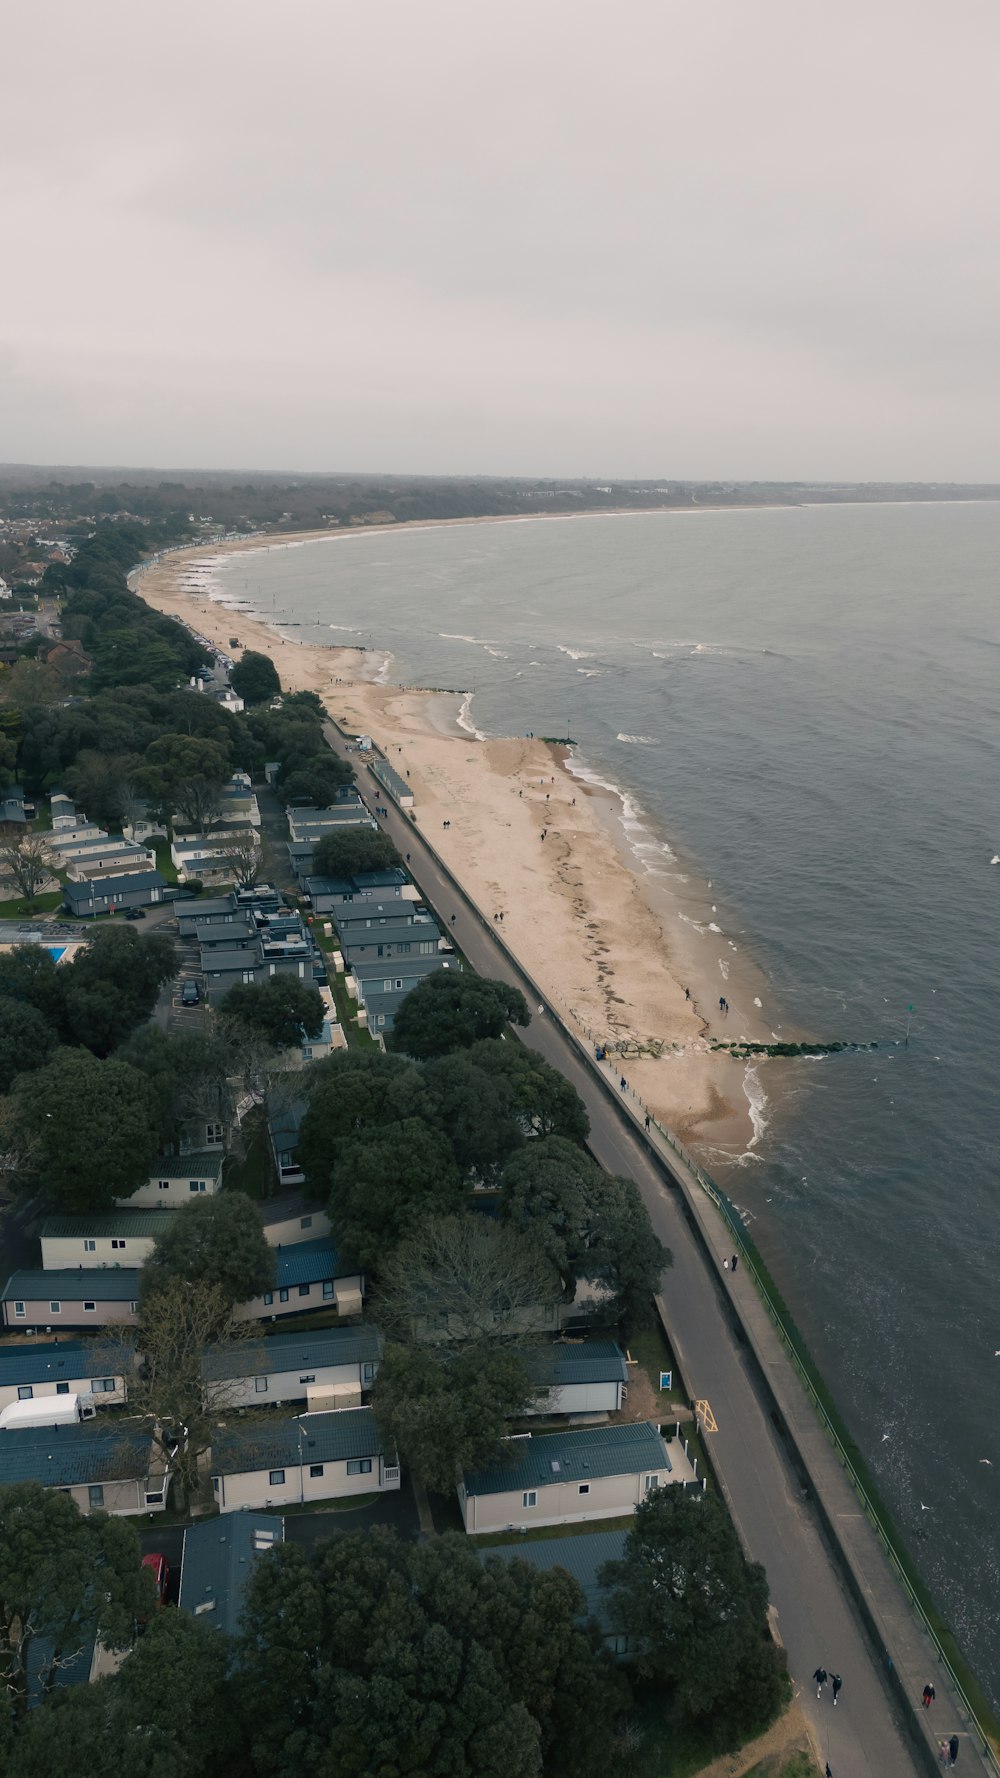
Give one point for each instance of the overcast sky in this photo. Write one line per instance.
(738, 238)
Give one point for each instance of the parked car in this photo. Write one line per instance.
(190, 994)
(135, 913)
(159, 1568)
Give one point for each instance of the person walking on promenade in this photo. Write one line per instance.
(646, 1125)
(943, 1754)
(953, 1748)
(829, 1774)
(835, 1684)
(929, 1695)
(821, 1676)
(734, 1262)
(622, 1084)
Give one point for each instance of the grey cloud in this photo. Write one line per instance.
(557, 238)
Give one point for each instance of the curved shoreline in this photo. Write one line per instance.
(631, 958)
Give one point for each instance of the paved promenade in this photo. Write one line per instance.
(717, 1324)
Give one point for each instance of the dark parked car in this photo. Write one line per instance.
(190, 994)
(135, 913)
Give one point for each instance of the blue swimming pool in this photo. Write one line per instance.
(56, 951)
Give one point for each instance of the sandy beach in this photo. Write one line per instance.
(613, 951)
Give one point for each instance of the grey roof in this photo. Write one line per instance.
(284, 1125)
(592, 1361)
(582, 1557)
(55, 1362)
(205, 1164)
(294, 1351)
(226, 962)
(336, 1437)
(209, 908)
(117, 1223)
(358, 937)
(100, 1284)
(582, 1455)
(372, 969)
(398, 910)
(218, 1560)
(68, 1456)
(380, 879)
(292, 1204)
(328, 886)
(212, 932)
(98, 888)
(306, 1262)
(394, 784)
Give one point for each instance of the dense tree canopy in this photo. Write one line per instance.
(588, 1223)
(476, 1111)
(697, 1609)
(184, 775)
(450, 1010)
(283, 1009)
(86, 1130)
(386, 1186)
(444, 1408)
(465, 1278)
(352, 851)
(217, 1242)
(354, 1094)
(378, 1656)
(542, 1100)
(163, 1715)
(190, 1074)
(63, 1579)
(113, 984)
(26, 1040)
(254, 678)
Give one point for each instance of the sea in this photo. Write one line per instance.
(801, 708)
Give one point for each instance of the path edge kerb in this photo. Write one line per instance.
(778, 1382)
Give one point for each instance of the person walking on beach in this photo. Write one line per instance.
(835, 1680)
(929, 1695)
(821, 1676)
(687, 993)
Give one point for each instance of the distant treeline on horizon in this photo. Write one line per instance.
(231, 500)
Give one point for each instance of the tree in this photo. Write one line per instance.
(254, 678)
(445, 1408)
(165, 1714)
(386, 1186)
(541, 1098)
(475, 1109)
(26, 1040)
(588, 1223)
(177, 1321)
(100, 783)
(685, 1593)
(26, 865)
(283, 1009)
(219, 1243)
(189, 1072)
(30, 686)
(352, 851)
(465, 1278)
(449, 1011)
(317, 780)
(85, 1129)
(375, 1656)
(63, 1580)
(114, 982)
(28, 973)
(244, 856)
(354, 1093)
(185, 775)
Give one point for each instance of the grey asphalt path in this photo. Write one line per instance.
(816, 1622)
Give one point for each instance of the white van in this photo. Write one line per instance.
(46, 1410)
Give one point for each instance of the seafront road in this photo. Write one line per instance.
(815, 1619)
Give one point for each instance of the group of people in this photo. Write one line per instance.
(947, 1750)
(821, 1675)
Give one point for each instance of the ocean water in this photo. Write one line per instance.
(803, 705)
